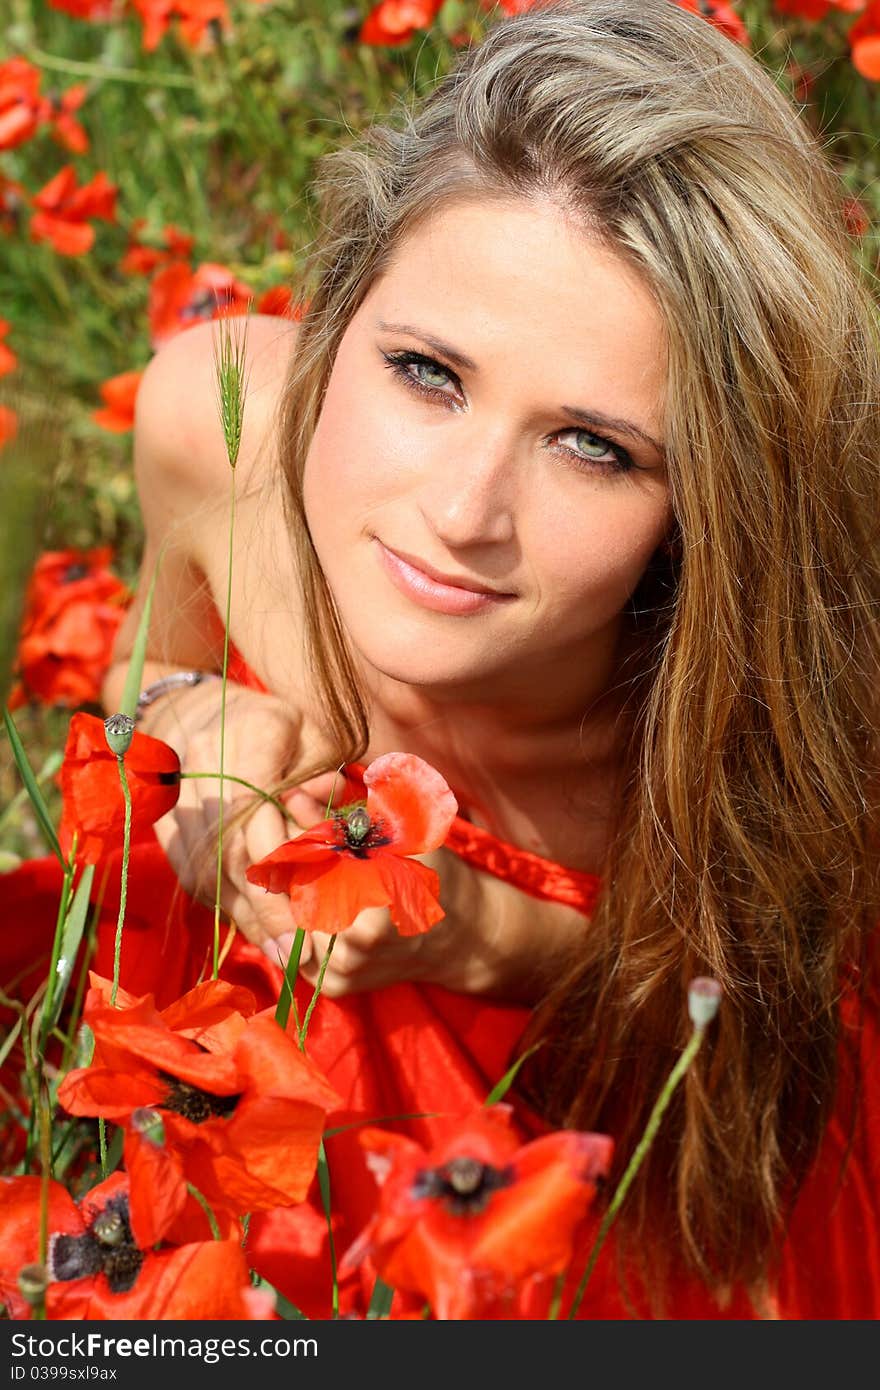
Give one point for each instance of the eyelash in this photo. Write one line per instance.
(398, 362)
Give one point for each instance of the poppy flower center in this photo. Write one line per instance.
(107, 1248)
(357, 834)
(193, 1103)
(463, 1185)
(73, 573)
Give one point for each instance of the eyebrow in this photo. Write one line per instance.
(574, 413)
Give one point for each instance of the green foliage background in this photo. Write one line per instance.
(222, 142)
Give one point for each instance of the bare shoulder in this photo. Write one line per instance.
(178, 437)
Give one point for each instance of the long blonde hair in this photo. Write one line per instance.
(746, 842)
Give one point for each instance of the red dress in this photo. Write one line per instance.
(416, 1049)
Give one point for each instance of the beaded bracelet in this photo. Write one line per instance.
(175, 681)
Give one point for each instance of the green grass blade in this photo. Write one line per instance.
(71, 937)
(291, 970)
(134, 675)
(26, 773)
(500, 1089)
(380, 1301)
(283, 1306)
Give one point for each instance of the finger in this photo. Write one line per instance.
(261, 917)
(264, 831)
(306, 810)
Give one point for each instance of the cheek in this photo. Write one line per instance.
(602, 544)
(358, 453)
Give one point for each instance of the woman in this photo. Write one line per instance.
(577, 448)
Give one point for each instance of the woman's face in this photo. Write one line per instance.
(486, 484)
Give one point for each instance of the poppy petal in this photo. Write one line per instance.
(412, 893)
(412, 799)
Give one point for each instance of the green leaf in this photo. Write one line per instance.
(501, 1088)
(26, 773)
(283, 1306)
(71, 936)
(285, 998)
(380, 1300)
(134, 675)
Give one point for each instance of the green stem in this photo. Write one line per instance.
(46, 1171)
(102, 1145)
(123, 890)
(219, 883)
(33, 1081)
(76, 68)
(635, 1162)
(52, 977)
(324, 1186)
(317, 992)
(556, 1300)
(206, 1208)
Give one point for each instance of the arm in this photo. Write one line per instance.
(183, 484)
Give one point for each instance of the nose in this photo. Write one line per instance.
(469, 499)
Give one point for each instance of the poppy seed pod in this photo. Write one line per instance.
(119, 732)
(33, 1280)
(704, 996)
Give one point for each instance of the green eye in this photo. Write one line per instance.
(431, 375)
(590, 445)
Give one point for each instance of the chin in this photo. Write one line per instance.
(420, 662)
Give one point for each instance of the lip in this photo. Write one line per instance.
(427, 587)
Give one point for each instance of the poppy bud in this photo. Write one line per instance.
(33, 1280)
(704, 996)
(150, 1124)
(119, 731)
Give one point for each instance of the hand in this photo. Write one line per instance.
(262, 739)
(494, 939)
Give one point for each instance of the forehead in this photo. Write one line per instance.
(521, 279)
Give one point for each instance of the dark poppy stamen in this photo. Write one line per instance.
(357, 833)
(107, 1247)
(464, 1185)
(194, 1104)
(73, 573)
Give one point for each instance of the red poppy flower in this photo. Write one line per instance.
(394, 22)
(73, 609)
(93, 802)
(470, 1223)
(855, 216)
(817, 9)
(514, 7)
(181, 297)
(58, 111)
(8, 425)
(360, 858)
(119, 394)
(98, 1272)
(210, 1093)
(864, 40)
(194, 18)
(8, 359)
(143, 258)
(94, 10)
(64, 208)
(19, 102)
(723, 16)
(278, 301)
